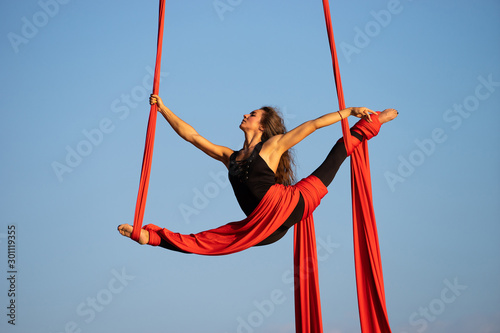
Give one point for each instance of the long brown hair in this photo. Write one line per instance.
(273, 124)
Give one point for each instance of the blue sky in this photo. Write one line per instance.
(76, 76)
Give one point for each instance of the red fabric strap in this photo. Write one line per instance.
(307, 300)
(369, 279)
(150, 135)
(270, 214)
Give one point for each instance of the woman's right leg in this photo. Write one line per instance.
(166, 245)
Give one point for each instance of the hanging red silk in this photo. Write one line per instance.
(368, 264)
(150, 135)
(270, 214)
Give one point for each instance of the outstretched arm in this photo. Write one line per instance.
(278, 144)
(188, 133)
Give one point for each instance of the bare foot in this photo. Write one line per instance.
(387, 115)
(126, 230)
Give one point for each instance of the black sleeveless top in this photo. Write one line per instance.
(250, 178)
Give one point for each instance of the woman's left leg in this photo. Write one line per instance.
(328, 169)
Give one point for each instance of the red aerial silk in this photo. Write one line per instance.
(150, 135)
(368, 264)
(273, 210)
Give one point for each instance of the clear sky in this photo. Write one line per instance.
(75, 80)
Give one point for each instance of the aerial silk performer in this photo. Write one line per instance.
(262, 178)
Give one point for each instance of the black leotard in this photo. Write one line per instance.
(251, 179)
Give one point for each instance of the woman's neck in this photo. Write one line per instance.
(251, 140)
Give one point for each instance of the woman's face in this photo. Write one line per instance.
(251, 121)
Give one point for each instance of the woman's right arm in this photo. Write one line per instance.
(188, 133)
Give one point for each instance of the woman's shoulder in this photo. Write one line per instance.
(269, 152)
(269, 146)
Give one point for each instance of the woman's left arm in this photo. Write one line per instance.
(281, 143)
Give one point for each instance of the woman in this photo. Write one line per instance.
(265, 158)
